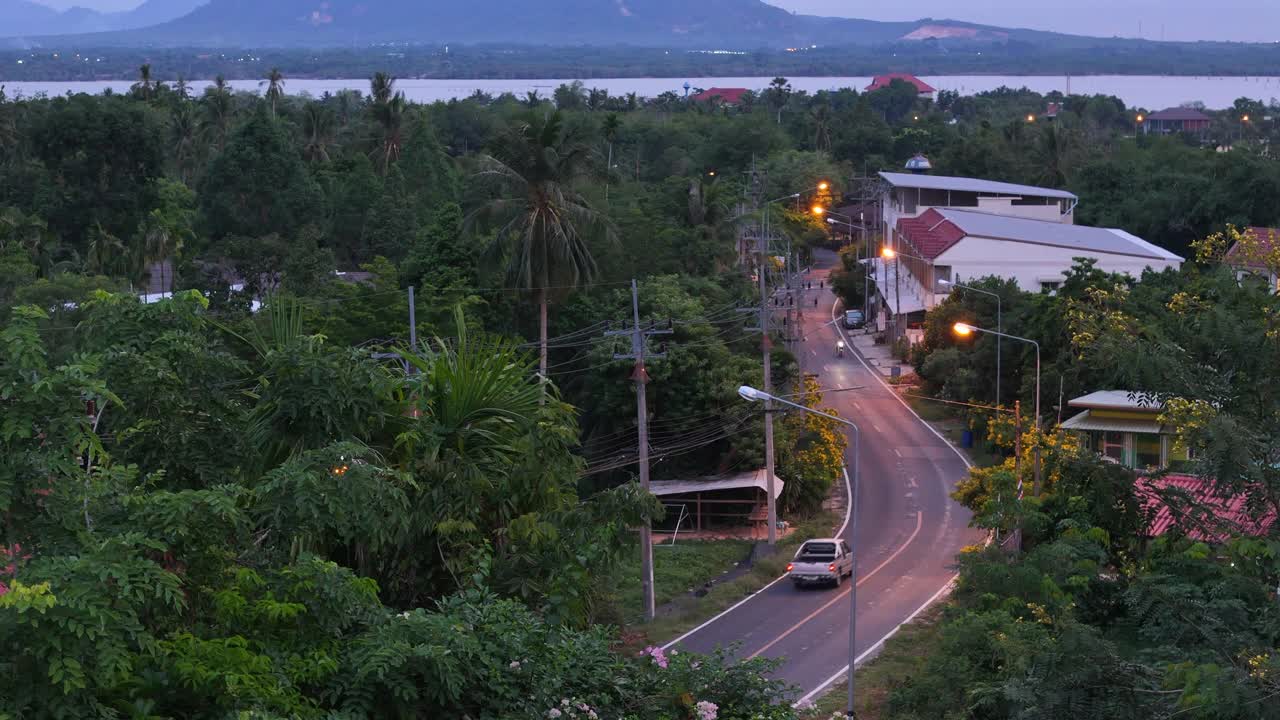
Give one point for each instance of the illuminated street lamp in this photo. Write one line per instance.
(999, 325)
(965, 330)
(1031, 118)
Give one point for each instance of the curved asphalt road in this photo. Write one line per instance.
(908, 528)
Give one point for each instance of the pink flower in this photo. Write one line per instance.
(707, 710)
(553, 713)
(659, 657)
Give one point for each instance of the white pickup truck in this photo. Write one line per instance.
(821, 561)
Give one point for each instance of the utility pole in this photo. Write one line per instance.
(1017, 464)
(413, 322)
(765, 343)
(641, 377)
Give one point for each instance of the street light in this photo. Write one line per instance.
(1031, 118)
(965, 330)
(889, 253)
(751, 394)
(999, 325)
(818, 210)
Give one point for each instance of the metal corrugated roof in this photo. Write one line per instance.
(1197, 509)
(963, 184)
(1044, 232)
(756, 479)
(1085, 421)
(1115, 400)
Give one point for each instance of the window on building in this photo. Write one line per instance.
(1051, 286)
(1146, 449)
(1113, 445)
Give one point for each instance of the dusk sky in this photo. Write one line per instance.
(1243, 20)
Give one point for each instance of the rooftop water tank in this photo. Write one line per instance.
(919, 164)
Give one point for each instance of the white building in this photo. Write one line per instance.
(947, 245)
(911, 195)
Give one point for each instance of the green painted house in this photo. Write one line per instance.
(1125, 427)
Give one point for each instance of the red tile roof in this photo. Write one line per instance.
(1179, 114)
(1197, 510)
(729, 96)
(931, 233)
(1265, 236)
(883, 81)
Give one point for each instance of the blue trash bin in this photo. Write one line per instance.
(966, 439)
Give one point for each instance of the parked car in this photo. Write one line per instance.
(824, 561)
(853, 319)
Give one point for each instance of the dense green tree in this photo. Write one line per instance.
(258, 185)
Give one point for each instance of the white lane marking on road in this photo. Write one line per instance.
(911, 482)
(848, 508)
(897, 452)
(878, 644)
(877, 427)
(892, 392)
(832, 601)
(848, 505)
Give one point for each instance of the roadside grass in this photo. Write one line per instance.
(687, 612)
(677, 569)
(949, 420)
(903, 656)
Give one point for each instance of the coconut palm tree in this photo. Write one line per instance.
(183, 131)
(162, 238)
(317, 128)
(145, 85)
(107, 254)
(388, 110)
(609, 128)
(821, 116)
(30, 233)
(542, 221)
(275, 88)
(382, 87)
(219, 109)
(182, 89)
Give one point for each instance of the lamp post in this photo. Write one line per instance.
(861, 227)
(999, 325)
(965, 330)
(751, 394)
(892, 254)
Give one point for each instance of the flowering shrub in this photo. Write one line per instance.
(659, 657)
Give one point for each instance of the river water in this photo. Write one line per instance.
(1149, 92)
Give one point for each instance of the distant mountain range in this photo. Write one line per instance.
(701, 24)
(25, 18)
